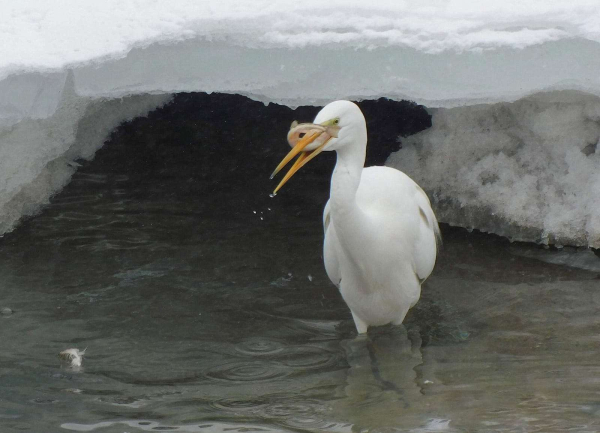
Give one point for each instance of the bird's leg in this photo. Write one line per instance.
(361, 327)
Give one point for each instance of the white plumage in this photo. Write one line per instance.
(381, 235)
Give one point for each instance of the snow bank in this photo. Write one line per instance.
(69, 72)
(439, 53)
(528, 170)
(52, 34)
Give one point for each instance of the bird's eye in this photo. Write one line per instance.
(336, 121)
(302, 134)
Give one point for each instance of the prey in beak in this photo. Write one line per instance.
(308, 140)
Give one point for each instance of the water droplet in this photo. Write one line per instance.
(310, 278)
(272, 195)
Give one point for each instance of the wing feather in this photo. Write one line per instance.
(331, 249)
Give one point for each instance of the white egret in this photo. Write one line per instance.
(381, 235)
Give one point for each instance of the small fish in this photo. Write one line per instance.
(74, 357)
(299, 130)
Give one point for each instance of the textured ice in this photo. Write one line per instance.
(439, 52)
(581, 258)
(528, 170)
(434, 52)
(70, 72)
(37, 152)
(49, 34)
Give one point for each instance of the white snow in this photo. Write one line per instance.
(51, 34)
(69, 71)
(436, 52)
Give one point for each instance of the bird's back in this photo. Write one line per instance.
(404, 209)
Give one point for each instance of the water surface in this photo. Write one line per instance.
(204, 307)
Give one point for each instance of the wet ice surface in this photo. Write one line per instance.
(199, 315)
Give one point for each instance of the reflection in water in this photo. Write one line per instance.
(384, 381)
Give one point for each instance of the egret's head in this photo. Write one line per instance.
(338, 124)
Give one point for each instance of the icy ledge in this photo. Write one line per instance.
(528, 170)
(38, 150)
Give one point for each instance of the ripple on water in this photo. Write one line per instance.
(90, 177)
(300, 414)
(305, 357)
(213, 427)
(237, 405)
(121, 401)
(77, 216)
(259, 346)
(123, 244)
(320, 329)
(286, 412)
(75, 200)
(308, 358)
(247, 371)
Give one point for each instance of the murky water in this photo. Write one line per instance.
(204, 307)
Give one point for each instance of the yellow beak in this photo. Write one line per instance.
(314, 132)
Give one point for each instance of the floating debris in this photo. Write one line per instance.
(73, 390)
(310, 278)
(73, 357)
(282, 281)
(6, 311)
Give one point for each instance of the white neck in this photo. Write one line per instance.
(349, 220)
(346, 178)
